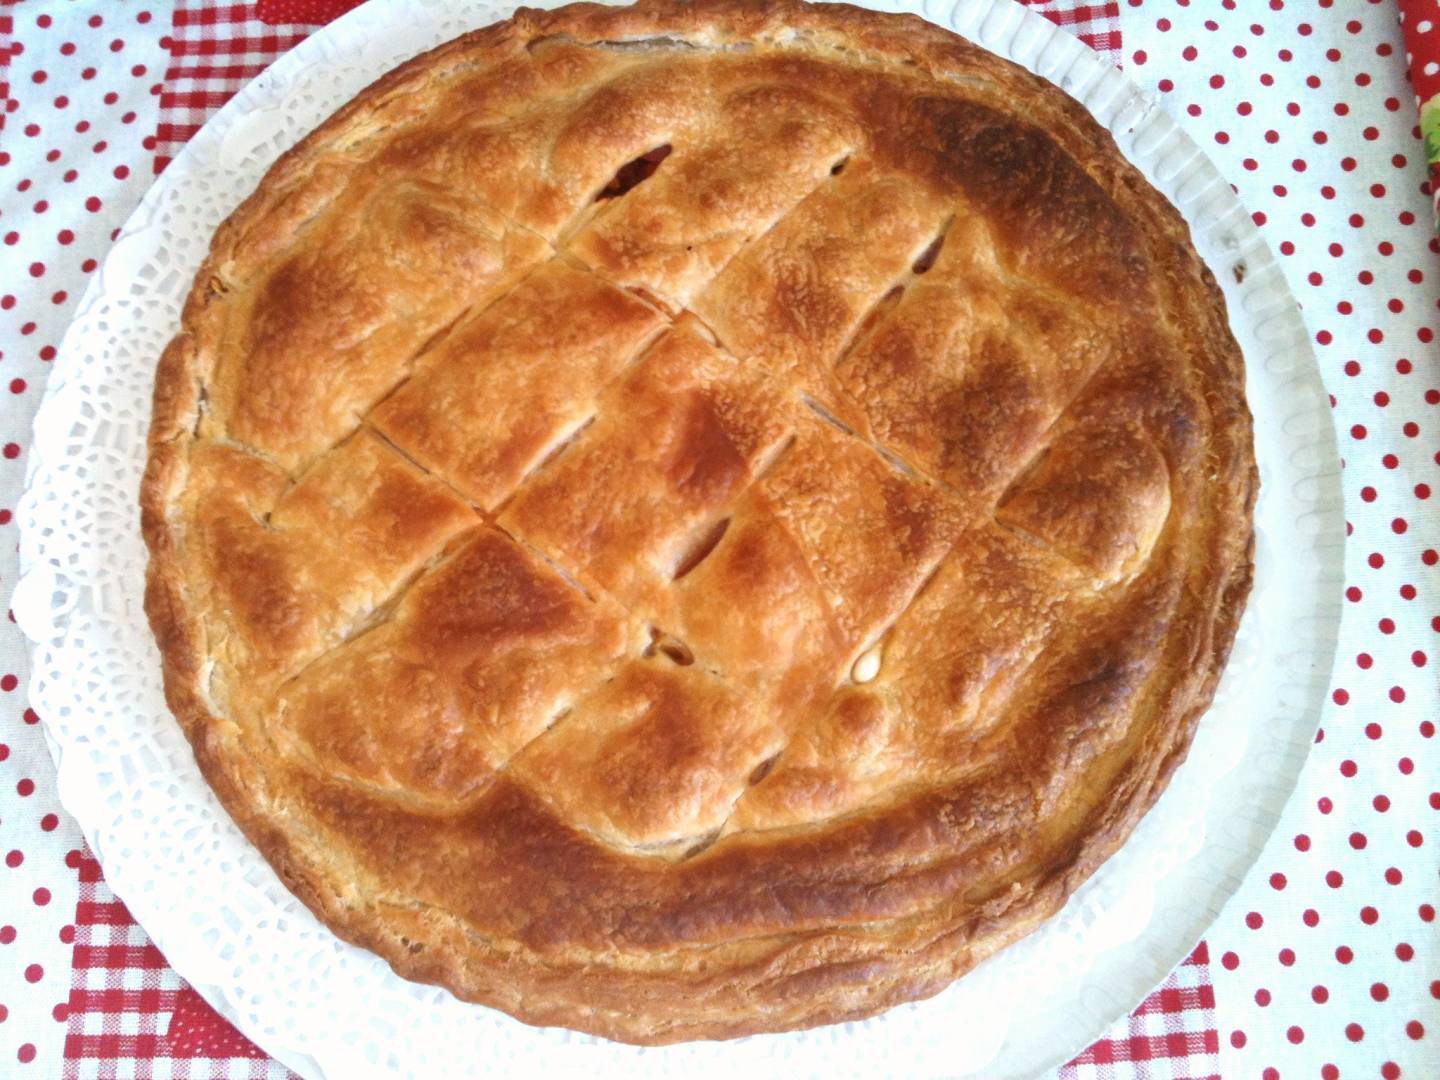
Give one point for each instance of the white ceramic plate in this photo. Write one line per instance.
(327, 1009)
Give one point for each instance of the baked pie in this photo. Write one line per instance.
(698, 518)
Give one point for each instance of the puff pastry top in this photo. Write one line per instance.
(697, 519)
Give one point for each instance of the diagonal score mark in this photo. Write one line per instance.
(890, 457)
(708, 534)
(701, 550)
(565, 575)
(627, 177)
(774, 759)
(383, 611)
(439, 478)
(432, 343)
(1049, 435)
(563, 445)
(702, 288)
(828, 180)
(875, 315)
(292, 479)
(1097, 583)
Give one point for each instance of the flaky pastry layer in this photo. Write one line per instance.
(697, 519)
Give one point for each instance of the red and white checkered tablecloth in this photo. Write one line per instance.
(1325, 959)
(127, 1006)
(216, 48)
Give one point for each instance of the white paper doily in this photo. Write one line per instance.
(324, 1008)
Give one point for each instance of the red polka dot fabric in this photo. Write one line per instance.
(1328, 952)
(78, 86)
(1325, 962)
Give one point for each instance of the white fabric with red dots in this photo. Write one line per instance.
(1325, 961)
(1323, 957)
(79, 90)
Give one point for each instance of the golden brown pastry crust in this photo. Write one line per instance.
(472, 669)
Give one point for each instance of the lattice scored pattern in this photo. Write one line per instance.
(584, 473)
